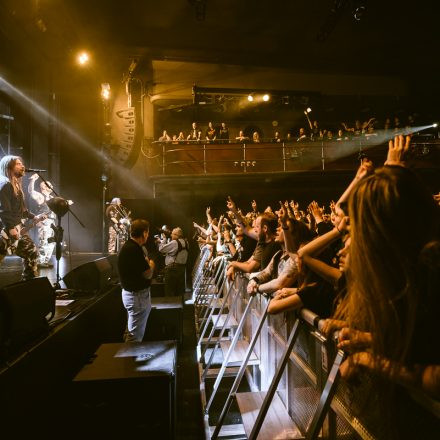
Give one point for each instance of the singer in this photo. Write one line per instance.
(45, 229)
(12, 211)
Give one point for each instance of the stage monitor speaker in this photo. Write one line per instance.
(90, 277)
(25, 309)
(113, 260)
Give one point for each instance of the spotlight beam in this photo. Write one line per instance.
(86, 145)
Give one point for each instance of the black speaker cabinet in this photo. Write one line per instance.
(165, 320)
(90, 277)
(25, 309)
(129, 389)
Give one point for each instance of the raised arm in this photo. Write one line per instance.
(316, 246)
(364, 169)
(308, 120)
(249, 231)
(37, 196)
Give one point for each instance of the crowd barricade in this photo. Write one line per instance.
(292, 371)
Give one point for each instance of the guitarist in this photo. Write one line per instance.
(13, 210)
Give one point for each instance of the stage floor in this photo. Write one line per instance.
(11, 267)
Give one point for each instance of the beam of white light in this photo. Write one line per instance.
(364, 143)
(88, 146)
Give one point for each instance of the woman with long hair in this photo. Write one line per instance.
(393, 286)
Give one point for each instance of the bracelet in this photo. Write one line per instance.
(340, 232)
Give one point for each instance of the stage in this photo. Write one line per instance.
(37, 392)
(11, 267)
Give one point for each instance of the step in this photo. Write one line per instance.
(232, 322)
(235, 431)
(277, 423)
(229, 372)
(239, 353)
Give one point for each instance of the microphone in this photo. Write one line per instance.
(34, 170)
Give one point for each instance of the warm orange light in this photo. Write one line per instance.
(83, 58)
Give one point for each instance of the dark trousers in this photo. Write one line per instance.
(175, 280)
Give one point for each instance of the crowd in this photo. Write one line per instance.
(312, 131)
(368, 264)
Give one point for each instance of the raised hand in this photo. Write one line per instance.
(254, 205)
(208, 210)
(365, 168)
(283, 214)
(231, 205)
(316, 211)
(397, 150)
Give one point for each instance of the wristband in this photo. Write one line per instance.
(340, 232)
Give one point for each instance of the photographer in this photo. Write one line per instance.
(176, 254)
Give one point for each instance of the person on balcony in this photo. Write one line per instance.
(210, 134)
(195, 134)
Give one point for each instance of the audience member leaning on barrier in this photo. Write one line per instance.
(394, 274)
(282, 271)
(315, 295)
(264, 231)
(393, 283)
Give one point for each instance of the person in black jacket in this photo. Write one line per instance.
(12, 212)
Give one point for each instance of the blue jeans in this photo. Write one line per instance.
(138, 305)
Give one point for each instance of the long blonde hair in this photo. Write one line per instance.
(393, 217)
(7, 164)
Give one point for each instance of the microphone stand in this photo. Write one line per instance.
(58, 235)
(53, 190)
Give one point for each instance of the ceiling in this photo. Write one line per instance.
(308, 35)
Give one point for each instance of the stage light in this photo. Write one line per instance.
(83, 58)
(105, 91)
(250, 98)
(435, 125)
(308, 110)
(358, 9)
(266, 97)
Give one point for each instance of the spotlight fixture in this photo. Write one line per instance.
(266, 97)
(358, 9)
(435, 125)
(250, 98)
(83, 58)
(105, 91)
(308, 110)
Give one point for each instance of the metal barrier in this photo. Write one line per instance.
(237, 158)
(301, 394)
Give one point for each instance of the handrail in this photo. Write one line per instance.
(198, 157)
(329, 386)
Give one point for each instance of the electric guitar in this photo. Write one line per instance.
(9, 245)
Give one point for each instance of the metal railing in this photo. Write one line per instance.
(301, 367)
(220, 158)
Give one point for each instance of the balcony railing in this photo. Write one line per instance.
(175, 158)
